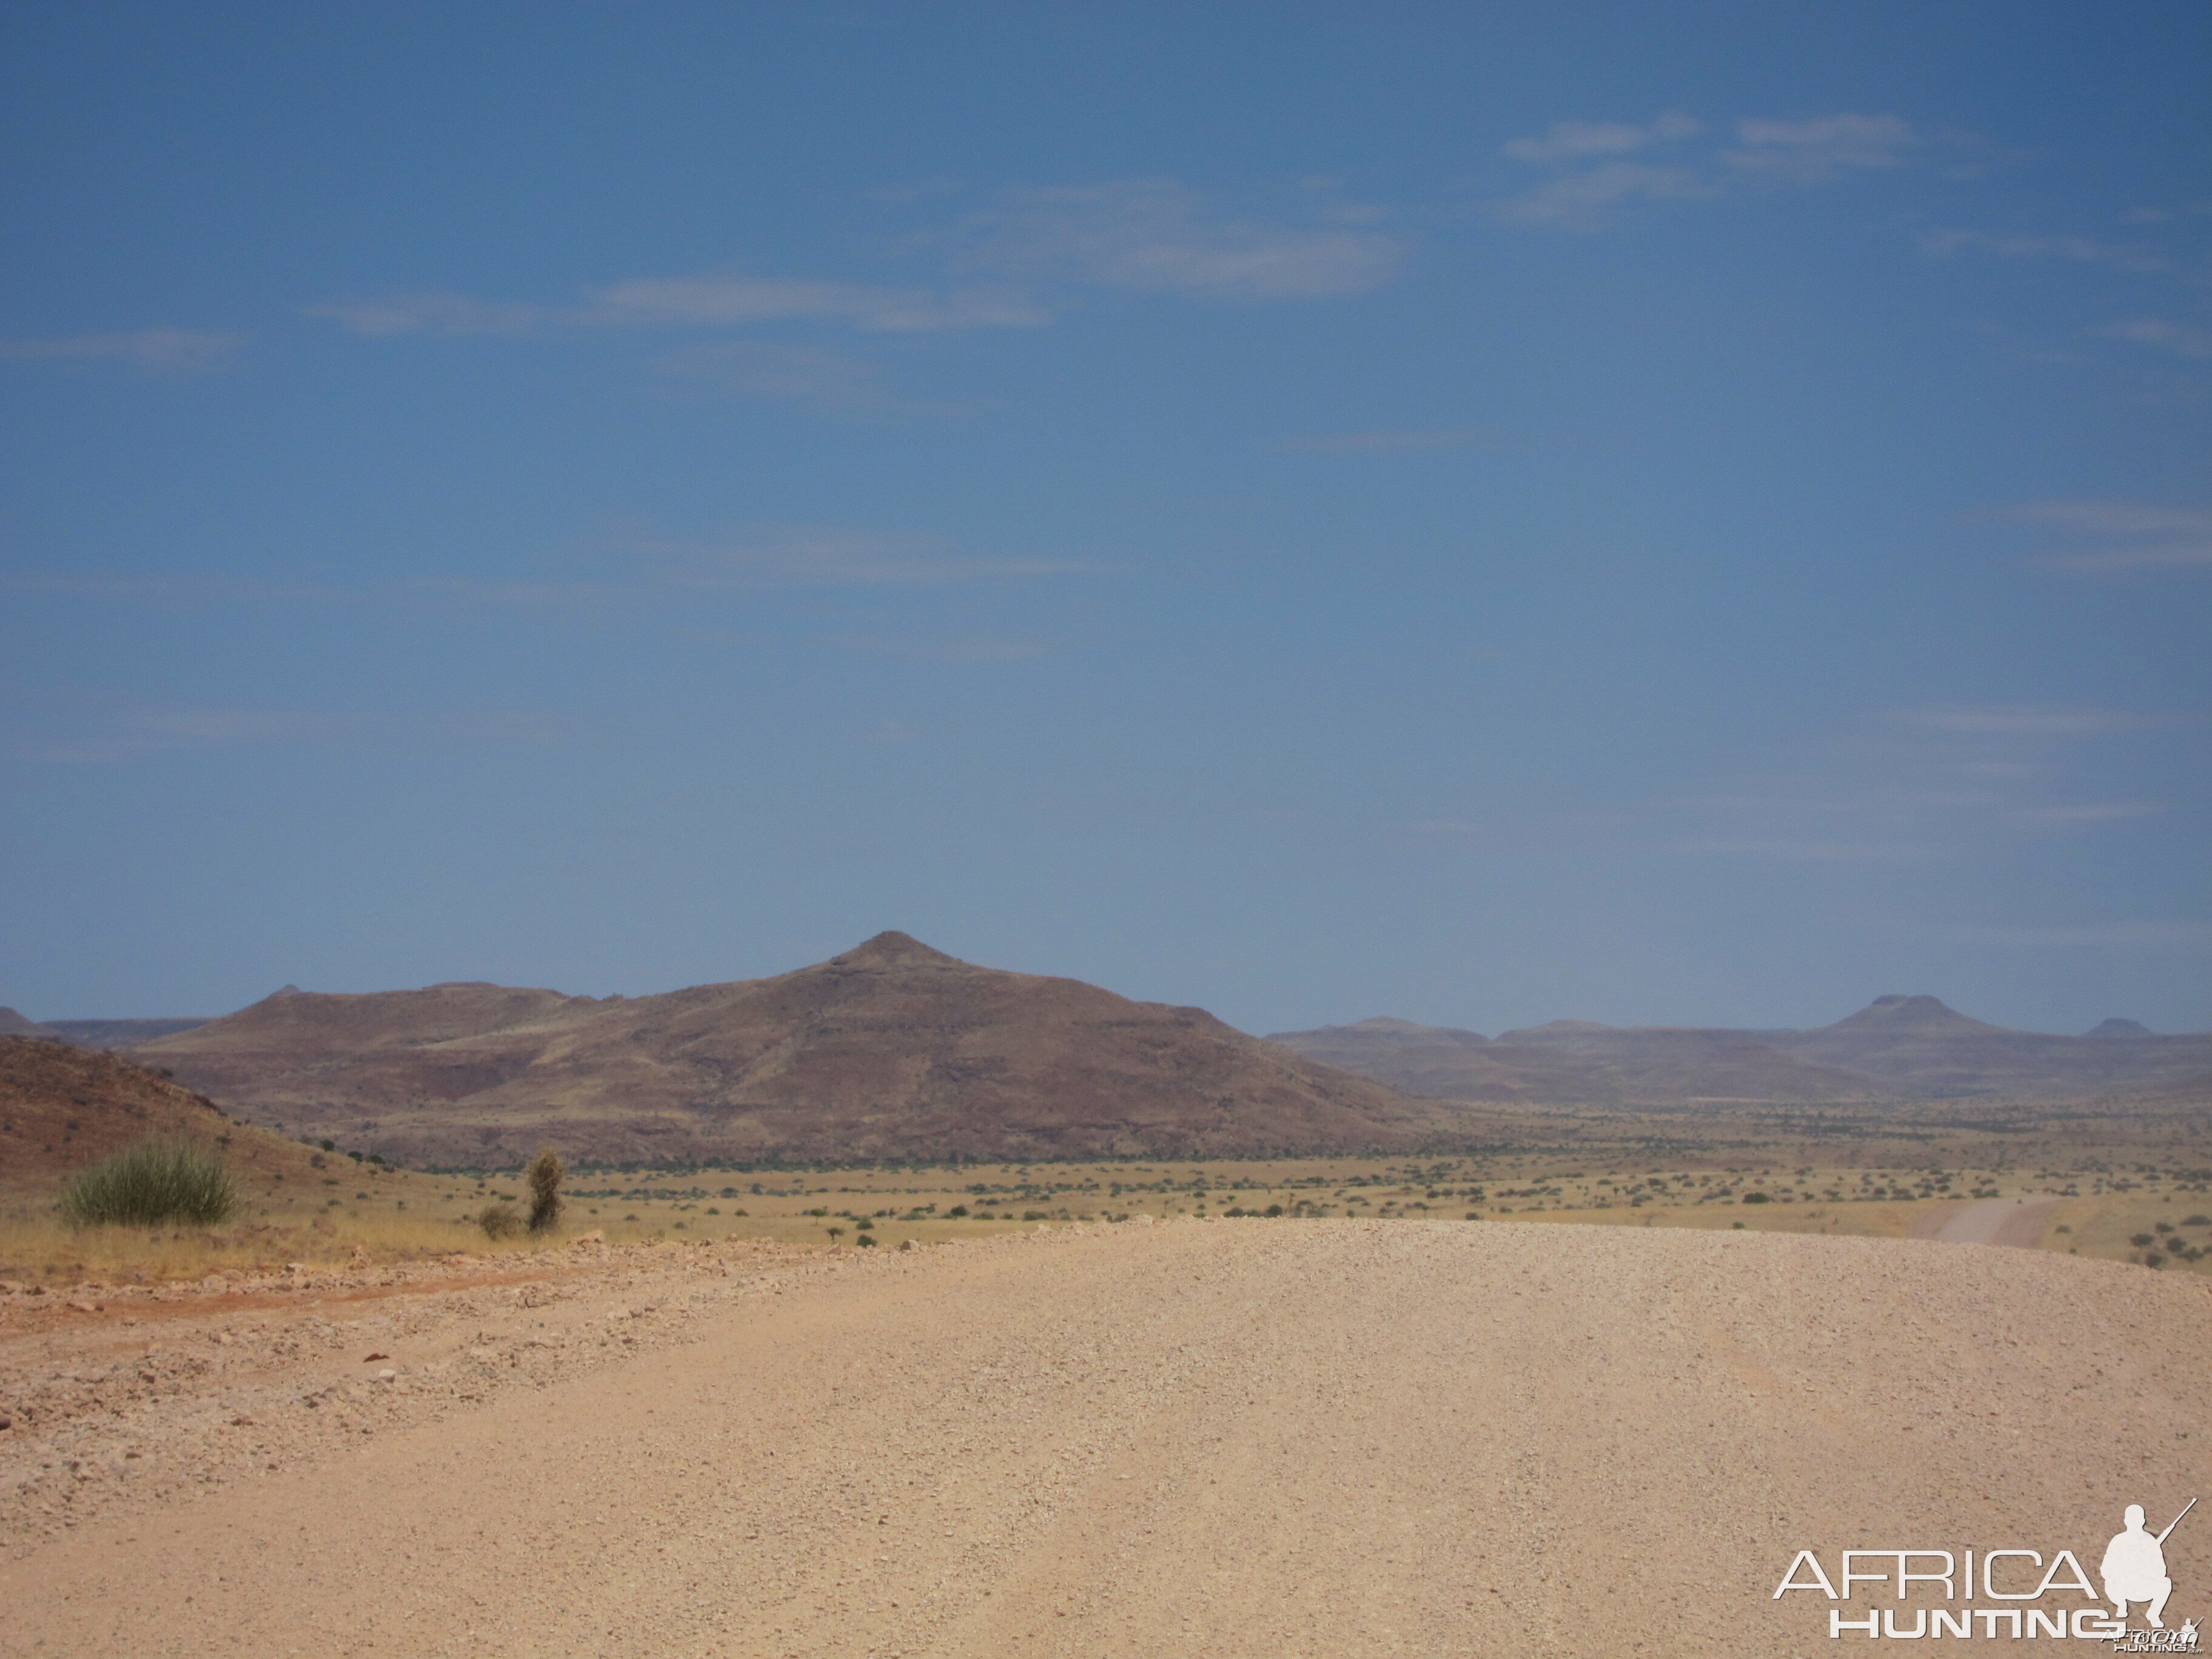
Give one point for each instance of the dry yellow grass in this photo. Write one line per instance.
(356, 1211)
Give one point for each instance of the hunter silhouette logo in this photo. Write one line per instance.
(2027, 1590)
(2134, 1568)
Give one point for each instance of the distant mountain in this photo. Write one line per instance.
(93, 1033)
(115, 1033)
(1444, 1063)
(1921, 1016)
(1916, 1046)
(892, 1050)
(1577, 1062)
(1898, 1047)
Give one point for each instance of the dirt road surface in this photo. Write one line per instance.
(1221, 1438)
(2015, 1221)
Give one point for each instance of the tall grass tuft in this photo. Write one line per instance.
(150, 1183)
(545, 1172)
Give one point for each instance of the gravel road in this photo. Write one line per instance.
(1220, 1438)
(2015, 1221)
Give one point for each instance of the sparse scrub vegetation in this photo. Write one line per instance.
(499, 1219)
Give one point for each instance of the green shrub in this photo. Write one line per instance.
(151, 1184)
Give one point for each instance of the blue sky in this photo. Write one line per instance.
(1687, 514)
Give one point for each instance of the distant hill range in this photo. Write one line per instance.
(892, 1050)
(1899, 1048)
(94, 1033)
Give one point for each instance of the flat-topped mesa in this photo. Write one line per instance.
(892, 949)
(1555, 1030)
(1383, 1024)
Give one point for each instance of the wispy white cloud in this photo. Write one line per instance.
(1956, 781)
(2127, 536)
(1148, 236)
(1806, 152)
(2109, 517)
(148, 350)
(2162, 334)
(694, 301)
(710, 302)
(1158, 236)
(1591, 177)
(1567, 140)
(2081, 250)
(1580, 200)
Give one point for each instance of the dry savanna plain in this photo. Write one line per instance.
(1585, 1391)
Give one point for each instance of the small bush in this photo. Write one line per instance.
(867, 1241)
(151, 1184)
(2143, 1241)
(545, 1172)
(499, 1220)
